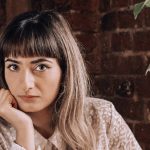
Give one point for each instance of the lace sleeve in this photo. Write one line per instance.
(3, 143)
(120, 135)
(15, 146)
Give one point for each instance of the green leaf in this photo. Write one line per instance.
(147, 3)
(137, 9)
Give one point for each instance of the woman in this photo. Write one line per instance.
(44, 91)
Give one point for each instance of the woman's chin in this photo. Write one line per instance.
(29, 109)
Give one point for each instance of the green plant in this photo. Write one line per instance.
(139, 6)
(136, 11)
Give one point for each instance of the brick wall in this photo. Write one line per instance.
(2, 13)
(117, 51)
(124, 59)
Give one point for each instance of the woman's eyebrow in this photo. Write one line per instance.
(40, 60)
(11, 60)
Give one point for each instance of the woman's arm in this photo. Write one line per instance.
(18, 119)
(25, 135)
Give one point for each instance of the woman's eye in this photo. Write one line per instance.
(13, 67)
(41, 67)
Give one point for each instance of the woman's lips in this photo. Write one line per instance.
(28, 97)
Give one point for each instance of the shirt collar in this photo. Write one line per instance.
(55, 140)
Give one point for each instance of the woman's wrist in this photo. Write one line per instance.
(25, 136)
(23, 124)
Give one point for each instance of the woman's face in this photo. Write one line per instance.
(33, 81)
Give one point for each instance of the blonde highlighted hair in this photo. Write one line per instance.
(48, 34)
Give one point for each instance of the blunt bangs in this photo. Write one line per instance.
(35, 42)
(31, 34)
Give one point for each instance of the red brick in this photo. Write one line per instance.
(109, 21)
(48, 4)
(2, 13)
(88, 40)
(129, 109)
(60, 1)
(147, 147)
(83, 21)
(142, 132)
(104, 5)
(147, 17)
(105, 39)
(125, 19)
(85, 5)
(142, 41)
(117, 64)
(121, 41)
(36, 5)
(93, 63)
(116, 42)
(119, 3)
(130, 2)
(137, 1)
(142, 86)
(109, 86)
(103, 86)
(43, 4)
(14, 8)
(147, 112)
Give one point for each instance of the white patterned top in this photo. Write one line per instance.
(112, 131)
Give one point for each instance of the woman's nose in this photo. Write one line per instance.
(28, 80)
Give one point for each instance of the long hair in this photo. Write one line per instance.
(48, 34)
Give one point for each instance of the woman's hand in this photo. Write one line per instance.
(18, 119)
(9, 111)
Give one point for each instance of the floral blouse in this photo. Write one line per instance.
(112, 131)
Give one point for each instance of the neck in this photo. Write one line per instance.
(41, 117)
(42, 122)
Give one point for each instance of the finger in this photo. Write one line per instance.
(8, 99)
(7, 96)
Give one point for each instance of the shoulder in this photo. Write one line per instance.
(103, 114)
(109, 125)
(98, 102)
(100, 105)
(99, 111)
(104, 111)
